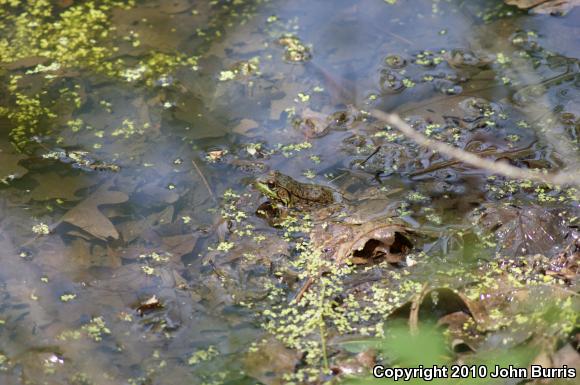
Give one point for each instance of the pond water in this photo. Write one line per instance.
(130, 247)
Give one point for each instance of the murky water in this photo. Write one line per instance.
(108, 208)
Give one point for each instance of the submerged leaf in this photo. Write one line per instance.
(523, 230)
(9, 164)
(88, 217)
(52, 186)
(270, 361)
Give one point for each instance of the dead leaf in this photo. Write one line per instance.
(179, 245)
(53, 186)
(360, 364)
(84, 254)
(524, 4)
(27, 62)
(87, 216)
(131, 230)
(245, 125)
(553, 7)
(523, 230)
(568, 356)
(9, 164)
(373, 240)
(443, 302)
(313, 124)
(174, 6)
(149, 305)
(270, 361)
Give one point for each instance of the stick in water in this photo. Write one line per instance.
(204, 180)
(474, 160)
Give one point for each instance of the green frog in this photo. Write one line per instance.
(283, 189)
(322, 202)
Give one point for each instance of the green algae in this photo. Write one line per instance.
(80, 37)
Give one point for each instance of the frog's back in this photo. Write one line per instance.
(315, 193)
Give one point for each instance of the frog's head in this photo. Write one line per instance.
(272, 187)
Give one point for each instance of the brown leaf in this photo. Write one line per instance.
(244, 126)
(130, 230)
(9, 167)
(553, 7)
(372, 240)
(88, 217)
(52, 186)
(179, 245)
(524, 4)
(270, 362)
(568, 356)
(149, 305)
(27, 62)
(444, 301)
(523, 230)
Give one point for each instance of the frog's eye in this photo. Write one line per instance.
(271, 184)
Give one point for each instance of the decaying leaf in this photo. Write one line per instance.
(523, 230)
(461, 315)
(9, 164)
(364, 243)
(148, 305)
(553, 7)
(131, 230)
(244, 126)
(179, 245)
(566, 265)
(270, 361)
(53, 186)
(568, 356)
(87, 216)
(360, 364)
(313, 124)
(26, 62)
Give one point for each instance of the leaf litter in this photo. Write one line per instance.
(139, 247)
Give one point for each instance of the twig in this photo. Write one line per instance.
(474, 160)
(204, 180)
(322, 328)
(303, 289)
(370, 156)
(415, 306)
(399, 37)
(518, 152)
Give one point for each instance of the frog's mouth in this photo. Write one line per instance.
(264, 189)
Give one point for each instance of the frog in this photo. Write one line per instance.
(291, 193)
(286, 192)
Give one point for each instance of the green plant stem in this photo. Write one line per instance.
(323, 330)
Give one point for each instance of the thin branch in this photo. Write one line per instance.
(204, 180)
(474, 160)
(415, 306)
